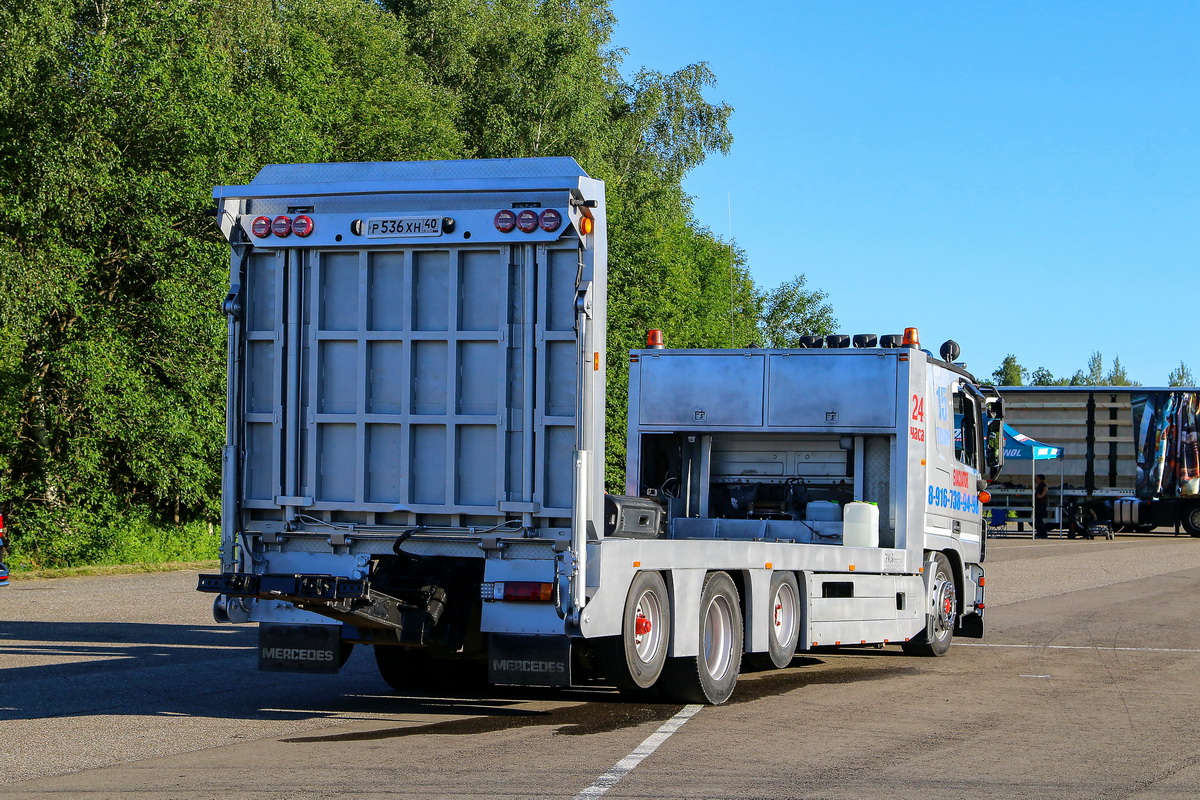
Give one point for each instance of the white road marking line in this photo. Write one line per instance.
(1080, 647)
(626, 764)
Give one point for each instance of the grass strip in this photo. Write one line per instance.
(113, 569)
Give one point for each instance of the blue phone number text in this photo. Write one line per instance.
(953, 499)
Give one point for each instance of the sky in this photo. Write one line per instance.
(1021, 177)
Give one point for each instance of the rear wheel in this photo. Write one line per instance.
(710, 676)
(634, 660)
(402, 668)
(783, 623)
(407, 669)
(1191, 520)
(941, 616)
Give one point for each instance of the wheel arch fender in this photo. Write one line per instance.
(754, 586)
(756, 606)
(685, 587)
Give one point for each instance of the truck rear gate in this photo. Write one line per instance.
(408, 347)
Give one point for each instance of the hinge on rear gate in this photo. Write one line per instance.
(492, 544)
(232, 307)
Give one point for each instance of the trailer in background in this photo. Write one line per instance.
(1131, 457)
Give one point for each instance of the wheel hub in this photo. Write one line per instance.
(646, 636)
(947, 603)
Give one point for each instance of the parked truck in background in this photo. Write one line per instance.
(415, 443)
(1130, 454)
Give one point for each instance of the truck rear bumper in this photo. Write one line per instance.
(351, 601)
(302, 588)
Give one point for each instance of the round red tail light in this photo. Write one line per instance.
(261, 227)
(302, 225)
(527, 221)
(550, 220)
(505, 221)
(281, 226)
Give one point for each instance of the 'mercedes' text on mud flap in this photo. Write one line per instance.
(529, 660)
(299, 648)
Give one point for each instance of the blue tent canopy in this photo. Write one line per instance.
(1019, 447)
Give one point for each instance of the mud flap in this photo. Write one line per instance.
(529, 660)
(299, 648)
(970, 626)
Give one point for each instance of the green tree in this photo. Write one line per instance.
(1043, 377)
(1095, 370)
(1181, 376)
(120, 115)
(1009, 373)
(789, 311)
(119, 118)
(528, 77)
(1117, 375)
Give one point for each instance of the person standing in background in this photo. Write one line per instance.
(1041, 499)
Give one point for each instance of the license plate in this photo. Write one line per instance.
(404, 226)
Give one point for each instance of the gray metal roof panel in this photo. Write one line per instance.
(317, 180)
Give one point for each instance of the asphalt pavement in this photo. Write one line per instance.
(1084, 687)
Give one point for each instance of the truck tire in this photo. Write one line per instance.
(409, 670)
(402, 668)
(710, 676)
(634, 660)
(783, 629)
(934, 640)
(1191, 519)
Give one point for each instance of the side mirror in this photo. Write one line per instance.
(994, 448)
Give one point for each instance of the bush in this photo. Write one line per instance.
(63, 539)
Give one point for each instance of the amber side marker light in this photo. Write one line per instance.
(985, 496)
